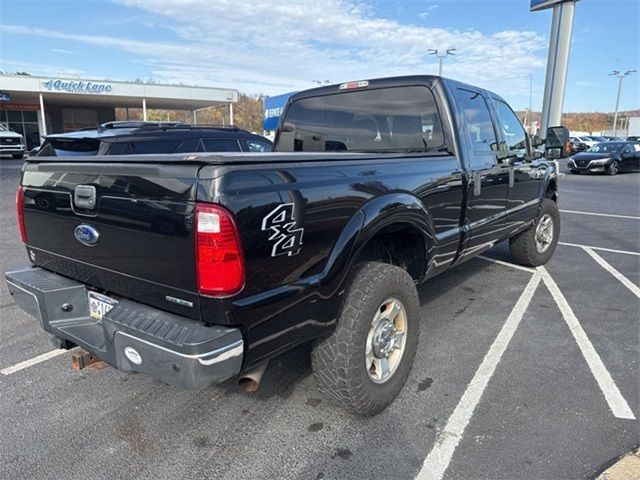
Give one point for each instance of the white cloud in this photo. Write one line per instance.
(427, 11)
(272, 46)
(64, 51)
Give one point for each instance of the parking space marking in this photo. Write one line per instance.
(438, 460)
(612, 215)
(620, 277)
(603, 249)
(618, 405)
(507, 264)
(32, 361)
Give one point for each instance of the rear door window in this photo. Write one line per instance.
(378, 120)
(254, 145)
(220, 145)
(477, 121)
(136, 147)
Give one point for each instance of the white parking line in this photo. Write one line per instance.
(624, 280)
(32, 361)
(438, 460)
(614, 398)
(603, 249)
(612, 215)
(507, 264)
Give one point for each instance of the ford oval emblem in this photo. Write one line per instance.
(86, 234)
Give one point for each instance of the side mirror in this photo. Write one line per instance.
(558, 144)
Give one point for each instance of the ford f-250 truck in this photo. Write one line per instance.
(198, 268)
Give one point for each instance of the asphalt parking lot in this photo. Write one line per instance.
(520, 374)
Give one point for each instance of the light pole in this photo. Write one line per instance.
(441, 56)
(619, 76)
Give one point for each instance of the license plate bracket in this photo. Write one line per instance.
(99, 305)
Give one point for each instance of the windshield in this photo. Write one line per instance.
(607, 147)
(3, 128)
(400, 119)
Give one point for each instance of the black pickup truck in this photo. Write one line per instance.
(198, 268)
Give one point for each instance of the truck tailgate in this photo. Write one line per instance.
(133, 238)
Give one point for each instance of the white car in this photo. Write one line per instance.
(11, 143)
(588, 141)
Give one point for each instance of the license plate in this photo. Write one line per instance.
(99, 305)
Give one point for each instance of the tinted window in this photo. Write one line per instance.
(608, 147)
(258, 146)
(477, 121)
(148, 146)
(220, 145)
(512, 131)
(69, 147)
(390, 119)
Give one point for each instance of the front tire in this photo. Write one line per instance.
(364, 363)
(575, 172)
(535, 246)
(613, 168)
(18, 156)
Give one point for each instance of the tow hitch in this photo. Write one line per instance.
(80, 359)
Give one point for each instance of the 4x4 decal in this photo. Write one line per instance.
(280, 222)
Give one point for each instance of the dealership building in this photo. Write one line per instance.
(38, 106)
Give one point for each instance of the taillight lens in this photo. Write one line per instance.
(219, 260)
(20, 212)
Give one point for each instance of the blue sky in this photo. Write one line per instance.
(275, 46)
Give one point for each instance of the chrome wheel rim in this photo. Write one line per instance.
(386, 340)
(544, 233)
(613, 168)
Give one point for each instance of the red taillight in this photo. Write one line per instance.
(20, 212)
(219, 261)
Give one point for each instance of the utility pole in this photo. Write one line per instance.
(619, 76)
(441, 56)
(531, 132)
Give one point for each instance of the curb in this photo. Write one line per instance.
(626, 468)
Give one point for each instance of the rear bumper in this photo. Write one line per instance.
(174, 349)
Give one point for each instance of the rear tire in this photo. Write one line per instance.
(535, 246)
(381, 306)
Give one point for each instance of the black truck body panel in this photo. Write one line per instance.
(456, 202)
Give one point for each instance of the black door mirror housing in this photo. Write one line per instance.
(558, 144)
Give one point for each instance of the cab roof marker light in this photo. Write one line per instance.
(352, 85)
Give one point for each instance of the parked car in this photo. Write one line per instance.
(131, 138)
(11, 143)
(633, 138)
(374, 187)
(585, 140)
(578, 145)
(609, 157)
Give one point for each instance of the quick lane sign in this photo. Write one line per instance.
(76, 86)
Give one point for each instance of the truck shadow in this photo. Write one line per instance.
(287, 370)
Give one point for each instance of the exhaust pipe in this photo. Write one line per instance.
(249, 381)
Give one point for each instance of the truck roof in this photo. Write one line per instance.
(384, 82)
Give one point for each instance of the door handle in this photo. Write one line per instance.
(477, 183)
